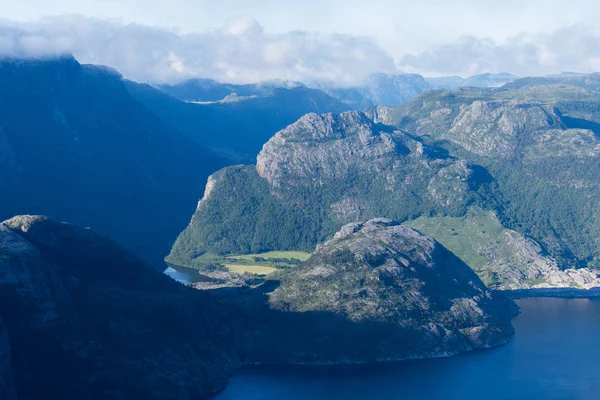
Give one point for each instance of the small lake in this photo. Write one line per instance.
(555, 354)
(184, 275)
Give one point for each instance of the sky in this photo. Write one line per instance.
(340, 41)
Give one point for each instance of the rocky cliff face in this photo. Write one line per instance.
(390, 277)
(379, 89)
(503, 258)
(319, 149)
(316, 175)
(85, 319)
(74, 145)
(238, 126)
(519, 154)
(539, 140)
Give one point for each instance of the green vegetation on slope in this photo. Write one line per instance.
(501, 257)
(250, 269)
(241, 216)
(308, 188)
(541, 145)
(258, 264)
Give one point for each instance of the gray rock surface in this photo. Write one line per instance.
(313, 177)
(84, 319)
(390, 275)
(503, 258)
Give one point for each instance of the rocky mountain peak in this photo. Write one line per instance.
(323, 127)
(381, 271)
(318, 148)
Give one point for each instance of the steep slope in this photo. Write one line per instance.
(503, 258)
(237, 127)
(418, 293)
(86, 319)
(317, 175)
(541, 145)
(392, 90)
(76, 146)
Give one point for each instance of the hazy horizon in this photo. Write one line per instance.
(342, 42)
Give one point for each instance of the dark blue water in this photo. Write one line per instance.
(555, 354)
(184, 275)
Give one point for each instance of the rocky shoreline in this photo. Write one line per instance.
(591, 293)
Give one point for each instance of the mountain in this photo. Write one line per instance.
(316, 175)
(445, 82)
(353, 97)
(454, 162)
(81, 318)
(422, 296)
(504, 258)
(589, 82)
(74, 145)
(489, 80)
(7, 384)
(236, 127)
(393, 90)
(209, 90)
(541, 145)
(379, 89)
(84, 319)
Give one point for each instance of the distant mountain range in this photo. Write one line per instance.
(209, 90)
(237, 126)
(377, 89)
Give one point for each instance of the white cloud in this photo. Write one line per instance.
(240, 51)
(573, 48)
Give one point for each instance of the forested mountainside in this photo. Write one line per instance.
(85, 319)
(539, 142)
(528, 156)
(81, 318)
(318, 174)
(74, 145)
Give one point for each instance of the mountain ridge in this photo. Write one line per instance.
(76, 146)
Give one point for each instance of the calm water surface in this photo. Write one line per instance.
(555, 354)
(184, 275)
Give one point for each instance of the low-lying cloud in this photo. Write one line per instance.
(240, 51)
(243, 51)
(573, 48)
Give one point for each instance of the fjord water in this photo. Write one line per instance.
(555, 354)
(183, 275)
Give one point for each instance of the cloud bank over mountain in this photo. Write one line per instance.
(242, 51)
(573, 48)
